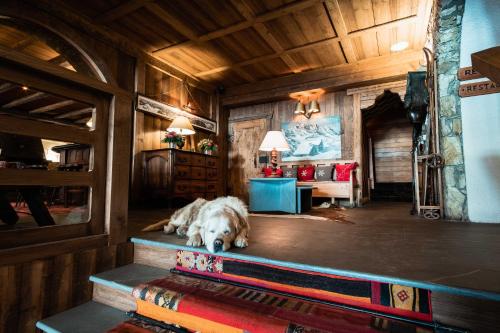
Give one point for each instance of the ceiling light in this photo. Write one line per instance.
(24, 88)
(399, 46)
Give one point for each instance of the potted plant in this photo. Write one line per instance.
(207, 146)
(172, 139)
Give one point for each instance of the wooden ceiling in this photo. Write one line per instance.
(19, 101)
(234, 42)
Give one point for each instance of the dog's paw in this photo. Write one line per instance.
(182, 230)
(241, 242)
(194, 240)
(168, 229)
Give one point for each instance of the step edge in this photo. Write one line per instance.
(111, 284)
(45, 328)
(435, 287)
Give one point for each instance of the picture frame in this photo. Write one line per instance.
(167, 111)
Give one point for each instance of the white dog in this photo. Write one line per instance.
(216, 224)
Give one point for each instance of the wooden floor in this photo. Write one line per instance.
(381, 240)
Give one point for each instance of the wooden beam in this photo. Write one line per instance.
(74, 113)
(23, 43)
(24, 100)
(60, 59)
(52, 107)
(6, 87)
(377, 28)
(172, 20)
(30, 127)
(369, 71)
(121, 10)
(487, 62)
(274, 14)
(242, 7)
(339, 26)
(16, 177)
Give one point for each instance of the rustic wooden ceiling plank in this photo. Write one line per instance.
(51, 107)
(6, 87)
(340, 27)
(23, 100)
(62, 11)
(176, 23)
(350, 36)
(121, 10)
(75, 113)
(423, 13)
(285, 10)
(24, 43)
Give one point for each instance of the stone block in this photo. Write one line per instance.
(447, 106)
(457, 126)
(455, 203)
(451, 148)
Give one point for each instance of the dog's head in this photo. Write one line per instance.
(220, 229)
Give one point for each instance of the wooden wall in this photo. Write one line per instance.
(149, 129)
(331, 104)
(41, 288)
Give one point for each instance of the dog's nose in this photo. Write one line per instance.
(218, 244)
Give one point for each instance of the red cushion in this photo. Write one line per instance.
(306, 173)
(269, 171)
(343, 171)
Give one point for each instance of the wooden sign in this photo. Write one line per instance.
(168, 111)
(468, 73)
(478, 88)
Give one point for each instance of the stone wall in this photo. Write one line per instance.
(449, 15)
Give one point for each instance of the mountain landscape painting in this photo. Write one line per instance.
(318, 139)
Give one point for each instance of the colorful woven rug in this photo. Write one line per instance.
(386, 298)
(212, 307)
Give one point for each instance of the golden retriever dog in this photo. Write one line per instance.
(216, 224)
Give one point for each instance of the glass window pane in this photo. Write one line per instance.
(36, 206)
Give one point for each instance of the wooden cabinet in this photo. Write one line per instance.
(175, 174)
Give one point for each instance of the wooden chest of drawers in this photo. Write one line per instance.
(171, 174)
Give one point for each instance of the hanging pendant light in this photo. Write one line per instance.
(313, 107)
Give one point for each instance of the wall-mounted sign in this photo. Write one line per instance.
(167, 111)
(478, 88)
(468, 73)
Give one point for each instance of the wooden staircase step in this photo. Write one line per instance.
(114, 287)
(90, 317)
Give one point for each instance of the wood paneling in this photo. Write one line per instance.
(331, 104)
(392, 142)
(40, 288)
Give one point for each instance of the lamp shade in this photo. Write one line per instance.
(274, 140)
(313, 106)
(299, 108)
(181, 125)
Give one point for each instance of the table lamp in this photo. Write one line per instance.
(274, 141)
(181, 125)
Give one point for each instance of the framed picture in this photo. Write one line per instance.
(167, 111)
(318, 139)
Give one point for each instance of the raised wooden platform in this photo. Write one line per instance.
(455, 258)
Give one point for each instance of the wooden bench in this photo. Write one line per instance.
(334, 189)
